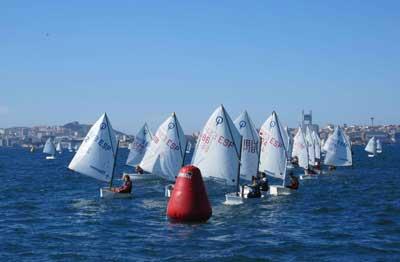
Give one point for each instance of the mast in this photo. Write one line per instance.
(283, 142)
(114, 165)
(112, 148)
(238, 173)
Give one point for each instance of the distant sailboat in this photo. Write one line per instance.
(371, 147)
(378, 146)
(218, 151)
(59, 148)
(137, 150)
(97, 155)
(166, 152)
(338, 150)
(274, 153)
(49, 149)
(70, 148)
(311, 147)
(300, 151)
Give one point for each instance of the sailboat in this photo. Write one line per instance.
(218, 151)
(371, 147)
(59, 148)
(249, 157)
(76, 147)
(166, 152)
(338, 150)
(311, 147)
(70, 147)
(378, 146)
(317, 152)
(274, 153)
(250, 146)
(300, 151)
(137, 150)
(96, 157)
(289, 149)
(49, 149)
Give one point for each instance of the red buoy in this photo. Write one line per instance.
(189, 200)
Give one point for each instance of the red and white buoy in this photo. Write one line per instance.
(189, 200)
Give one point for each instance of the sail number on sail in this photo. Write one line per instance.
(250, 146)
(268, 139)
(161, 136)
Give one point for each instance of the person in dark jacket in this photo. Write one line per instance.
(294, 182)
(126, 188)
(254, 189)
(264, 185)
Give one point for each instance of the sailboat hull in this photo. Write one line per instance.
(371, 155)
(50, 157)
(140, 177)
(279, 190)
(168, 190)
(106, 193)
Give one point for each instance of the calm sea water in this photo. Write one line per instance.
(48, 213)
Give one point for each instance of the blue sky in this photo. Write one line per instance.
(141, 60)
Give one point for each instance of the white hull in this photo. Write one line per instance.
(308, 177)
(234, 198)
(379, 151)
(370, 155)
(106, 193)
(137, 177)
(50, 157)
(279, 190)
(168, 190)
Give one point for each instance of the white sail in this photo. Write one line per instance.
(250, 146)
(323, 145)
(49, 147)
(300, 149)
(217, 153)
(311, 147)
(165, 154)
(96, 155)
(317, 145)
(378, 146)
(371, 146)
(273, 153)
(338, 150)
(139, 146)
(289, 142)
(59, 147)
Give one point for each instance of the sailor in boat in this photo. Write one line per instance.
(264, 185)
(254, 188)
(294, 182)
(139, 170)
(311, 171)
(125, 188)
(295, 161)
